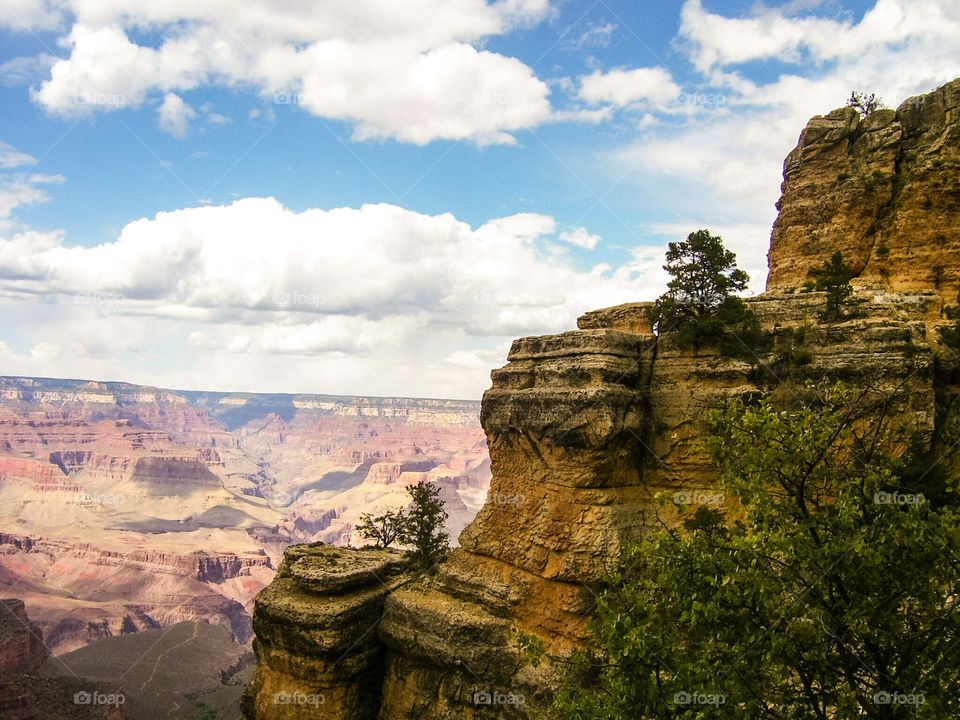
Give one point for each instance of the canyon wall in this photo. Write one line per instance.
(590, 429)
(884, 190)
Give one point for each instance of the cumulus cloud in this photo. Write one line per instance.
(774, 33)
(381, 67)
(380, 285)
(581, 237)
(626, 87)
(174, 115)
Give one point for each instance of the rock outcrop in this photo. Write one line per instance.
(587, 428)
(884, 190)
(318, 654)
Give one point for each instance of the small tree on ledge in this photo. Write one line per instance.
(699, 303)
(835, 280)
(423, 527)
(383, 529)
(863, 103)
(704, 274)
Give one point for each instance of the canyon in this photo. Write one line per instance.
(595, 433)
(127, 508)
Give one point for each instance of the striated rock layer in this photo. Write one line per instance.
(318, 654)
(884, 190)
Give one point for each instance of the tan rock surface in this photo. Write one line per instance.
(884, 190)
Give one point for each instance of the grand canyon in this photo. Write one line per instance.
(125, 508)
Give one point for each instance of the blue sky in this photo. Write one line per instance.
(360, 197)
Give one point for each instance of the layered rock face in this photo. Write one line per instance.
(595, 435)
(884, 190)
(318, 654)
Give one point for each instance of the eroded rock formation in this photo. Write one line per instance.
(587, 427)
(884, 190)
(318, 654)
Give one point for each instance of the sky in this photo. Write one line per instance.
(368, 197)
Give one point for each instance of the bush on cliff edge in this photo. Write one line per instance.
(699, 304)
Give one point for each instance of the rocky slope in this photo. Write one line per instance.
(25, 694)
(125, 508)
(586, 428)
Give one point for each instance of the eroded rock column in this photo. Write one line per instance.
(318, 654)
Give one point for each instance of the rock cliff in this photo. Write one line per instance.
(885, 190)
(586, 428)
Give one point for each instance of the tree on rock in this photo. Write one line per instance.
(864, 103)
(699, 302)
(835, 280)
(423, 528)
(383, 529)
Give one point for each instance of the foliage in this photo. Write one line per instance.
(383, 529)
(699, 303)
(204, 711)
(835, 280)
(864, 103)
(819, 595)
(423, 528)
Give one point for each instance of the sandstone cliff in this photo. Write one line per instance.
(884, 190)
(586, 428)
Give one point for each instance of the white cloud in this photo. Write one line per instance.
(625, 87)
(774, 34)
(174, 115)
(10, 157)
(30, 15)
(581, 237)
(370, 299)
(20, 71)
(382, 68)
(18, 189)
